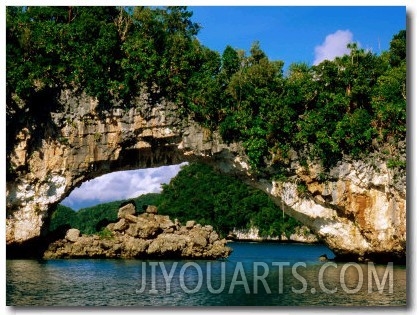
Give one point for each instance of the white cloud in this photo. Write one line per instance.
(120, 185)
(333, 46)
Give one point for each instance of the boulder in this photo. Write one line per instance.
(199, 237)
(109, 227)
(151, 209)
(218, 250)
(143, 236)
(208, 228)
(127, 209)
(166, 223)
(132, 230)
(131, 218)
(148, 230)
(190, 224)
(72, 235)
(199, 241)
(213, 237)
(168, 245)
(121, 225)
(133, 247)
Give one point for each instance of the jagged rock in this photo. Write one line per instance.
(311, 238)
(148, 230)
(165, 223)
(168, 245)
(131, 218)
(208, 228)
(183, 230)
(218, 249)
(121, 225)
(149, 235)
(127, 209)
(190, 224)
(134, 247)
(151, 209)
(72, 235)
(213, 237)
(199, 241)
(110, 226)
(199, 236)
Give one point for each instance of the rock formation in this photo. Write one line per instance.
(147, 235)
(301, 235)
(359, 211)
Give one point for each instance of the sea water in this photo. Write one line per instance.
(255, 274)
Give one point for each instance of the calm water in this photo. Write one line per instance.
(261, 274)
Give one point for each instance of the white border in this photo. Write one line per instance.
(412, 166)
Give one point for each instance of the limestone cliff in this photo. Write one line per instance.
(82, 142)
(301, 235)
(359, 211)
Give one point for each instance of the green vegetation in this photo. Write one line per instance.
(94, 219)
(196, 193)
(337, 107)
(62, 217)
(327, 110)
(352, 105)
(201, 194)
(105, 234)
(108, 52)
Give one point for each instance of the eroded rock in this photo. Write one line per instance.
(72, 235)
(149, 235)
(128, 209)
(151, 209)
(358, 209)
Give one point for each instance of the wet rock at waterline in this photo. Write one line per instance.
(144, 236)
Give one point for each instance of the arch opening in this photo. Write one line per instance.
(120, 185)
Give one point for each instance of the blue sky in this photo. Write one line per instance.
(120, 185)
(290, 34)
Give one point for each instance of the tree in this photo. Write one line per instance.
(62, 217)
(390, 93)
(230, 62)
(398, 49)
(253, 90)
(199, 193)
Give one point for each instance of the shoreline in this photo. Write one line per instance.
(230, 240)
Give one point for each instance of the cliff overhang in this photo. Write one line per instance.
(359, 211)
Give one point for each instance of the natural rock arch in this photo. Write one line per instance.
(360, 213)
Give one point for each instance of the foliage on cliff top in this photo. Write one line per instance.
(338, 107)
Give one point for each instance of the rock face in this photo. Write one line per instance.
(148, 235)
(300, 235)
(81, 142)
(359, 211)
